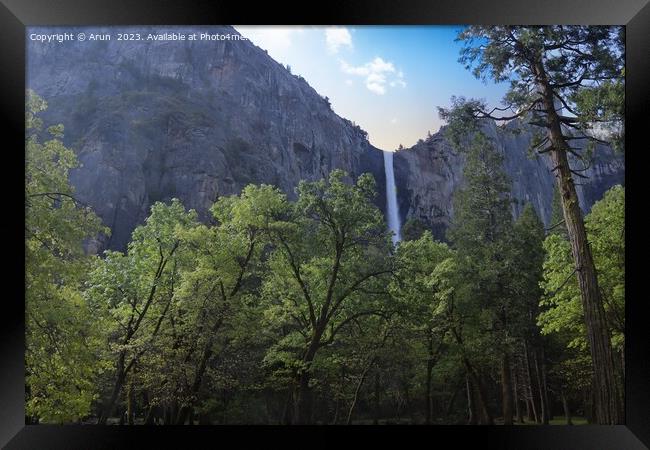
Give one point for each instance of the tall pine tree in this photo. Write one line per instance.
(482, 234)
(555, 73)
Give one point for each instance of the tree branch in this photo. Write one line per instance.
(298, 277)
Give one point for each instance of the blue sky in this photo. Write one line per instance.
(388, 79)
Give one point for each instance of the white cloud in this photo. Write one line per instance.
(378, 74)
(399, 81)
(376, 88)
(348, 82)
(337, 37)
(393, 120)
(276, 40)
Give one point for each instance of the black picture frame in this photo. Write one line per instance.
(15, 15)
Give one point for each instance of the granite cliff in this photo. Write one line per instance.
(428, 173)
(193, 120)
(198, 120)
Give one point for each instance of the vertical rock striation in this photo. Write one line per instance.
(192, 119)
(429, 172)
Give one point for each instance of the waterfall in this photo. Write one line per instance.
(391, 198)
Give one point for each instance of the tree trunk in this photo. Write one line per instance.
(336, 410)
(609, 410)
(303, 399)
(531, 392)
(204, 419)
(452, 400)
(549, 411)
(130, 404)
(225, 400)
(174, 410)
(303, 396)
(506, 390)
(356, 392)
(339, 395)
(184, 411)
(409, 405)
(286, 411)
(567, 412)
(484, 417)
(149, 419)
(515, 391)
(117, 387)
(429, 395)
(540, 387)
(623, 361)
(481, 399)
(375, 418)
(471, 407)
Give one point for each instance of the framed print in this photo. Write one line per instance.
(402, 221)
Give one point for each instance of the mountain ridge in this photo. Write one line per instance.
(190, 120)
(199, 120)
(430, 172)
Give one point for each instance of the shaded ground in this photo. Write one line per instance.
(556, 420)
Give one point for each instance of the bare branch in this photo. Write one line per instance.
(578, 174)
(486, 115)
(562, 285)
(353, 288)
(60, 194)
(575, 82)
(556, 225)
(546, 150)
(347, 320)
(298, 277)
(591, 138)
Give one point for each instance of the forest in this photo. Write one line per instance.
(300, 310)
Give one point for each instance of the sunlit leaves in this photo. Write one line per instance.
(61, 338)
(561, 305)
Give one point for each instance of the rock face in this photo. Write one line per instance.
(197, 120)
(193, 120)
(429, 172)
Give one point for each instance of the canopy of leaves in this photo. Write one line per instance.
(561, 305)
(61, 338)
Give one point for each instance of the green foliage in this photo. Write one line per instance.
(568, 82)
(330, 252)
(423, 290)
(240, 318)
(527, 260)
(584, 66)
(490, 286)
(61, 338)
(216, 303)
(604, 104)
(606, 231)
(562, 307)
(481, 231)
(133, 293)
(413, 229)
(461, 121)
(415, 283)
